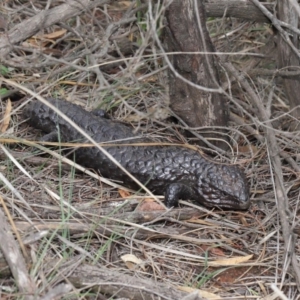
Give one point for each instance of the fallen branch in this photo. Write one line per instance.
(236, 9)
(124, 285)
(15, 260)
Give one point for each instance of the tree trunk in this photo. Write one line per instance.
(185, 32)
(287, 58)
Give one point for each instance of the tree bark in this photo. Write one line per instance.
(236, 9)
(287, 58)
(186, 32)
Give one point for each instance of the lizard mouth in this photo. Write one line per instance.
(223, 200)
(228, 204)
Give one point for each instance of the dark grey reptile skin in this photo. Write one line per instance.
(176, 172)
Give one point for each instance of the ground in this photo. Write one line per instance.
(72, 227)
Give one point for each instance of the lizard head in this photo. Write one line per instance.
(223, 186)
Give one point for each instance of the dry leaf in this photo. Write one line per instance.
(6, 117)
(202, 293)
(131, 258)
(53, 35)
(133, 118)
(244, 221)
(259, 191)
(124, 194)
(230, 261)
(203, 222)
(131, 37)
(38, 41)
(123, 4)
(217, 252)
(214, 251)
(246, 149)
(150, 205)
(150, 79)
(132, 261)
(35, 43)
(77, 83)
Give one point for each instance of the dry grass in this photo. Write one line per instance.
(67, 220)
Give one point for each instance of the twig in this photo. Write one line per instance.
(124, 285)
(44, 19)
(277, 24)
(15, 261)
(279, 190)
